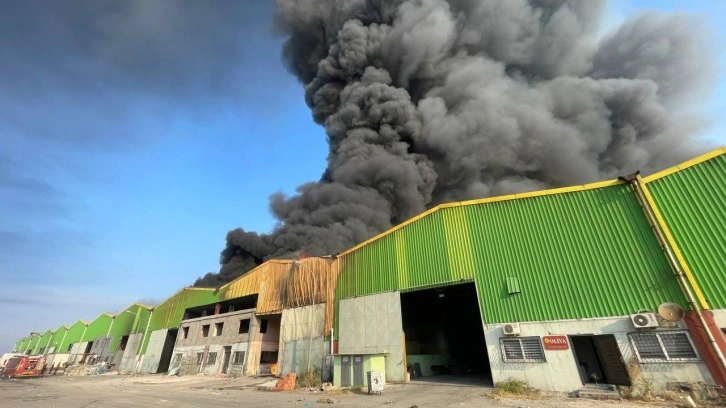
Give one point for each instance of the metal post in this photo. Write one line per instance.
(642, 198)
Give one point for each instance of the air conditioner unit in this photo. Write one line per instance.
(644, 320)
(511, 329)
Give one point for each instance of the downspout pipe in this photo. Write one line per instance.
(635, 182)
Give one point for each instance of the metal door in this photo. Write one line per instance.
(345, 371)
(358, 379)
(611, 360)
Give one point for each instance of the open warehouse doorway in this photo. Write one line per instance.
(444, 335)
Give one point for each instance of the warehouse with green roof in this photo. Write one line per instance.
(560, 288)
(615, 282)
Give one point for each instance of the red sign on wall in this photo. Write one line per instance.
(556, 343)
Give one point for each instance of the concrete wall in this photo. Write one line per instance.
(185, 350)
(259, 342)
(561, 372)
(372, 325)
(230, 330)
(186, 359)
(719, 315)
(127, 363)
(150, 362)
(302, 342)
(77, 350)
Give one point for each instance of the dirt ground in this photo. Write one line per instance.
(208, 392)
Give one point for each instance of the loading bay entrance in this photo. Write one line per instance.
(444, 335)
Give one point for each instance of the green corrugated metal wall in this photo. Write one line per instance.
(587, 253)
(34, 341)
(171, 312)
(44, 342)
(98, 328)
(131, 320)
(58, 337)
(692, 202)
(74, 336)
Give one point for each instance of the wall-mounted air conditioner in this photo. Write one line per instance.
(644, 320)
(511, 329)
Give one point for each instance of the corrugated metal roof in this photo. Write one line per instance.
(692, 203)
(284, 284)
(577, 252)
(98, 327)
(58, 337)
(74, 335)
(170, 312)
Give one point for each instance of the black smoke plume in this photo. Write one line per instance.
(428, 101)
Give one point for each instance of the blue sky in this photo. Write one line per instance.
(124, 191)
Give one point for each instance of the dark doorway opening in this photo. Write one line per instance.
(599, 361)
(167, 351)
(444, 335)
(225, 361)
(86, 352)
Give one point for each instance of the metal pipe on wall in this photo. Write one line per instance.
(635, 182)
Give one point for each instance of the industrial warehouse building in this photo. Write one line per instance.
(603, 283)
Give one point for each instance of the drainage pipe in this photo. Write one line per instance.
(635, 182)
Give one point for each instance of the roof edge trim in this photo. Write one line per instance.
(531, 194)
(682, 166)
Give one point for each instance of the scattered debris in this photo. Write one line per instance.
(326, 401)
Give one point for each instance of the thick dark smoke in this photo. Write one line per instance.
(427, 101)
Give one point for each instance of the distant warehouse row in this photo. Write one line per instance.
(608, 283)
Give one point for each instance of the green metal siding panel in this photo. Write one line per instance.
(582, 254)
(426, 252)
(98, 328)
(692, 202)
(33, 343)
(170, 313)
(127, 322)
(74, 336)
(57, 338)
(587, 253)
(44, 342)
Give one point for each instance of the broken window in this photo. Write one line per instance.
(663, 346)
(238, 358)
(205, 330)
(268, 357)
(244, 326)
(185, 332)
(263, 325)
(218, 327)
(522, 349)
(211, 358)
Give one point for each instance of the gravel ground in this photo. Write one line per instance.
(208, 392)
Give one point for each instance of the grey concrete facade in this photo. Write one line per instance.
(152, 357)
(560, 371)
(373, 325)
(129, 358)
(232, 343)
(200, 344)
(302, 341)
